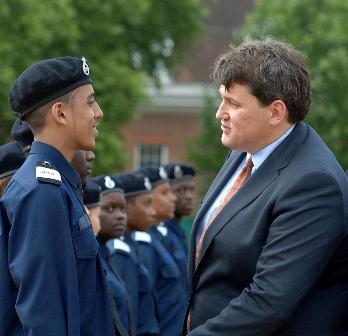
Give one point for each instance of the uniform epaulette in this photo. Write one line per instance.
(121, 245)
(46, 173)
(162, 230)
(142, 236)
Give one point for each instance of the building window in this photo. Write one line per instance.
(146, 155)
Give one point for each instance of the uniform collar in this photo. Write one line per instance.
(57, 159)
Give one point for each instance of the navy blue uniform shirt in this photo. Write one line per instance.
(137, 279)
(176, 245)
(52, 280)
(169, 290)
(119, 292)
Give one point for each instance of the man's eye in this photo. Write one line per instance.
(233, 103)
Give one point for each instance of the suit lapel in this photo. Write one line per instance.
(219, 182)
(231, 164)
(257, 183)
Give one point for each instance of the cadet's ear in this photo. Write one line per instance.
(59, 113)
(278, 112)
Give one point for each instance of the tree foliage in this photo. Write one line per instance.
(319, 30)
(124, 42)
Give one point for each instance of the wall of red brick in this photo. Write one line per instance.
(161, 128)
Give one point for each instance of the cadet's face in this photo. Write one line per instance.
(113, 216)
(185, 194)
(140, 212)
(84, 117)
(163, 201)
(82, 162)
(244, 121)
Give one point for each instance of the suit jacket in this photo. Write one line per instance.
(274, 260)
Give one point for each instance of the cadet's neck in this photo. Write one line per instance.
(58, 142)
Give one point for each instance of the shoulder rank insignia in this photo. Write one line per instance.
(162, 230)
(46, 173)
(121, 245)
(142, 236)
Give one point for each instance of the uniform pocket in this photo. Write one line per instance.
(85, 244)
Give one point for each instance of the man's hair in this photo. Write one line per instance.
(36, 119)
(272, 70)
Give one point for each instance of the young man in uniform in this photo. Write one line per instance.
(11, 158)
(22, 133)
(113, 219)
(52, 280)
(125, 253)
(183, 186)
(170, 290)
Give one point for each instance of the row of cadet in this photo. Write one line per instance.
(136, 220)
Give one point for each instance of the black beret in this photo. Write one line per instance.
(11, 158)
(179, 171)
(108, 184)
(22, 133)
(156, 175)
(45, 81)
(135, 183)
(91, 194)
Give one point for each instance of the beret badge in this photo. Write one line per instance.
(178, 173)
(85, 66)
(147, 183)
(108, 182)
(162, 173)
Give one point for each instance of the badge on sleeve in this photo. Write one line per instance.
(46, 173)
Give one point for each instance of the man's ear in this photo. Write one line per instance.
(278, 112)
(58, 112)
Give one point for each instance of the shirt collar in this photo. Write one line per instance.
(260, 156)
(57, 159)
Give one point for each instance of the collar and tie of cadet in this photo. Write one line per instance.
(242, 177)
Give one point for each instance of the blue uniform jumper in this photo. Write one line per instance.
(137, 280)
(176, 245)
(169, 290)
(52, 279)
(118, 290)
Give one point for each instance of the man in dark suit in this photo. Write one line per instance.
(268, 251)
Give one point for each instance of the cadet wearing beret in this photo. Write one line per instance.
(91, 200)
(113, 219)
(11, 158)
(125, 256)
(183, 186)
(22, 133)
(169, 288)
(52, 279)
(82, 162)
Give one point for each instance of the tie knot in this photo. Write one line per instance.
(249, 164)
